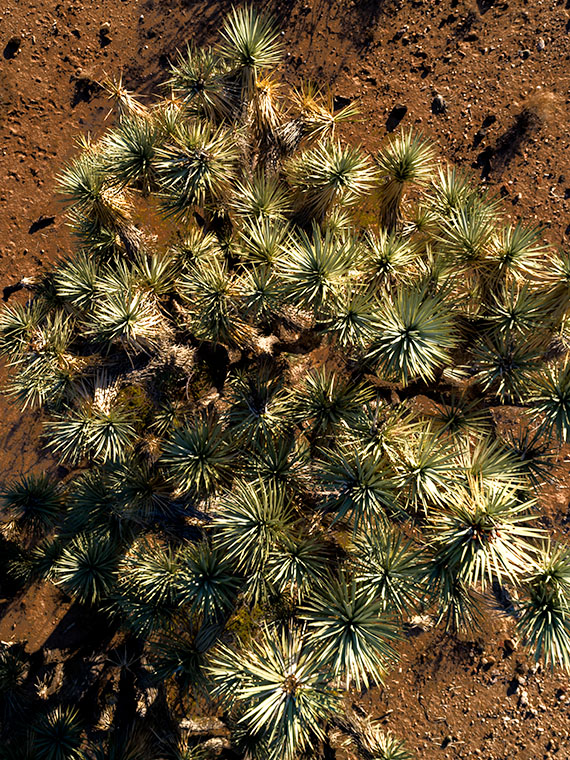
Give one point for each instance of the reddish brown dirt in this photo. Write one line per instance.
(487, 59)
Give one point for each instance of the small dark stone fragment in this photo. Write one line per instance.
(12, 47)
(395, 116)
(438, 105)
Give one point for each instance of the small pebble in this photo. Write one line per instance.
(438, 104)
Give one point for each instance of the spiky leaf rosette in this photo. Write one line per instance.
(259, 406)
(386, 567)
(278, 686)
(516, 253)
(33, 502)
(47, 372)
(206, 583)
(99, 426)
(556, 277)
(195, 169)
(129, 153)
(406, 161)
(348, 629)
(483, 533)
(533, 451)
(251, 521)
(130, 320)
(130, 743)
(140, 489)
(318, 117)
(283, 462)
(38, 563)
(87, 567)
(76, 279)
(97, 505)
(379, 427)
(251, 745)
(517, 310)
(351, 318)
(387, 257)
(156, 274)
(505, 366)
(424, 466)
(43, 382)
(261, 197)
(199, 77)
(382, 745)
(314, 267)
(451, 189)
(357, 486)
(181, 653)
(415, 333)
(212, 295)
(466, 235)
(458, 414)
(545, 619)
(125, 103)
(490, 461)
(148, 587)
(250, 44)
(297, 565)
(551, 397)
(95, 202)
(199, 457)
(85, 185)
(18, 325)
(261, 240)
(57, 736)
(327, 175)
(370, 740)
(261, 293)
(326, 403)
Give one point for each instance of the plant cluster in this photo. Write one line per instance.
(268, 368)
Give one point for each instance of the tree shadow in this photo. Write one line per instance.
(369, 13)
(485, 5)
(41, 223)
(497, 158)
(82, 629)
(84, 90)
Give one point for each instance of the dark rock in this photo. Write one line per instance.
(510, 645)
(12, 47)
(104, 34)
(395, 116)
(438, 105)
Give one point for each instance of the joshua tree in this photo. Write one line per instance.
(279, 687)
(58, 735)
(276, 421)
(353, 638)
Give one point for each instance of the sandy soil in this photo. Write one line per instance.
(501, 69)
